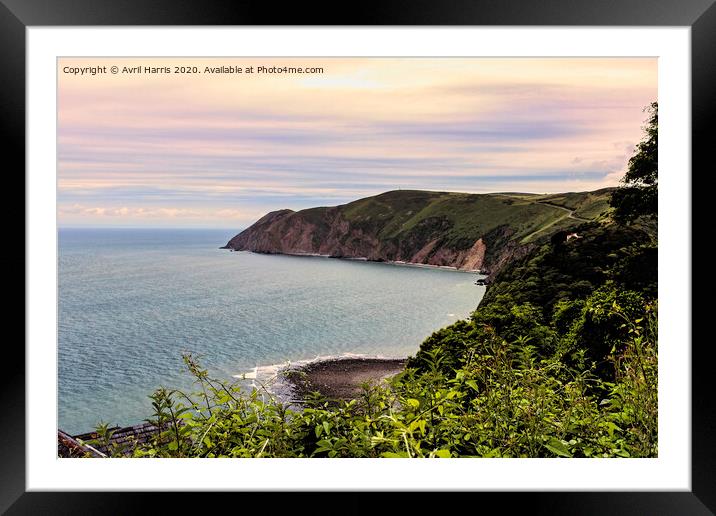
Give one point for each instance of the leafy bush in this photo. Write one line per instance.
(601, 327)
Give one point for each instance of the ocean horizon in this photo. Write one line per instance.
(132, 300)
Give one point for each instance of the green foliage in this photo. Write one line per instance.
(638, 195)
(572, 270)
(104, 439)
(600, 328)
(562, 339)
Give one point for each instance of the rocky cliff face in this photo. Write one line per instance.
(328, 233)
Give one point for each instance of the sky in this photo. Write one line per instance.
(222, 149)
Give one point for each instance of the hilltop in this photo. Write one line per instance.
(461, 230)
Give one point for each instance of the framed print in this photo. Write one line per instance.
(186, 185)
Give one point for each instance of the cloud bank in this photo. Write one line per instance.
(220, 150)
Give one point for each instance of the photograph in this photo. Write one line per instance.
(267, 250)
(357, 257)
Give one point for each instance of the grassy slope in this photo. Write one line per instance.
(588, 205)
(395, 214)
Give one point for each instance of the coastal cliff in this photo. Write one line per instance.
(465, 231)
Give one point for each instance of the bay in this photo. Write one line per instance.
(132, 300)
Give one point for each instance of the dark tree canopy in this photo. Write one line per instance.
(638, 194)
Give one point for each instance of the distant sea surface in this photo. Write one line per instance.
(131, 301)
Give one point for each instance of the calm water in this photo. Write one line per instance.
(130, 301)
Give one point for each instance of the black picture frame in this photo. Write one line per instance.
(17, 15)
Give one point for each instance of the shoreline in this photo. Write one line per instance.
(365, 259)
(340, 378)
(336, 378)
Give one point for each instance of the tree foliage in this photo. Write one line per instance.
(637, 196)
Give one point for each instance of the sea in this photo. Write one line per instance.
(131, 301)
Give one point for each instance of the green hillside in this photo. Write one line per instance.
(462, 230)
(399, 213)
(589, 205)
